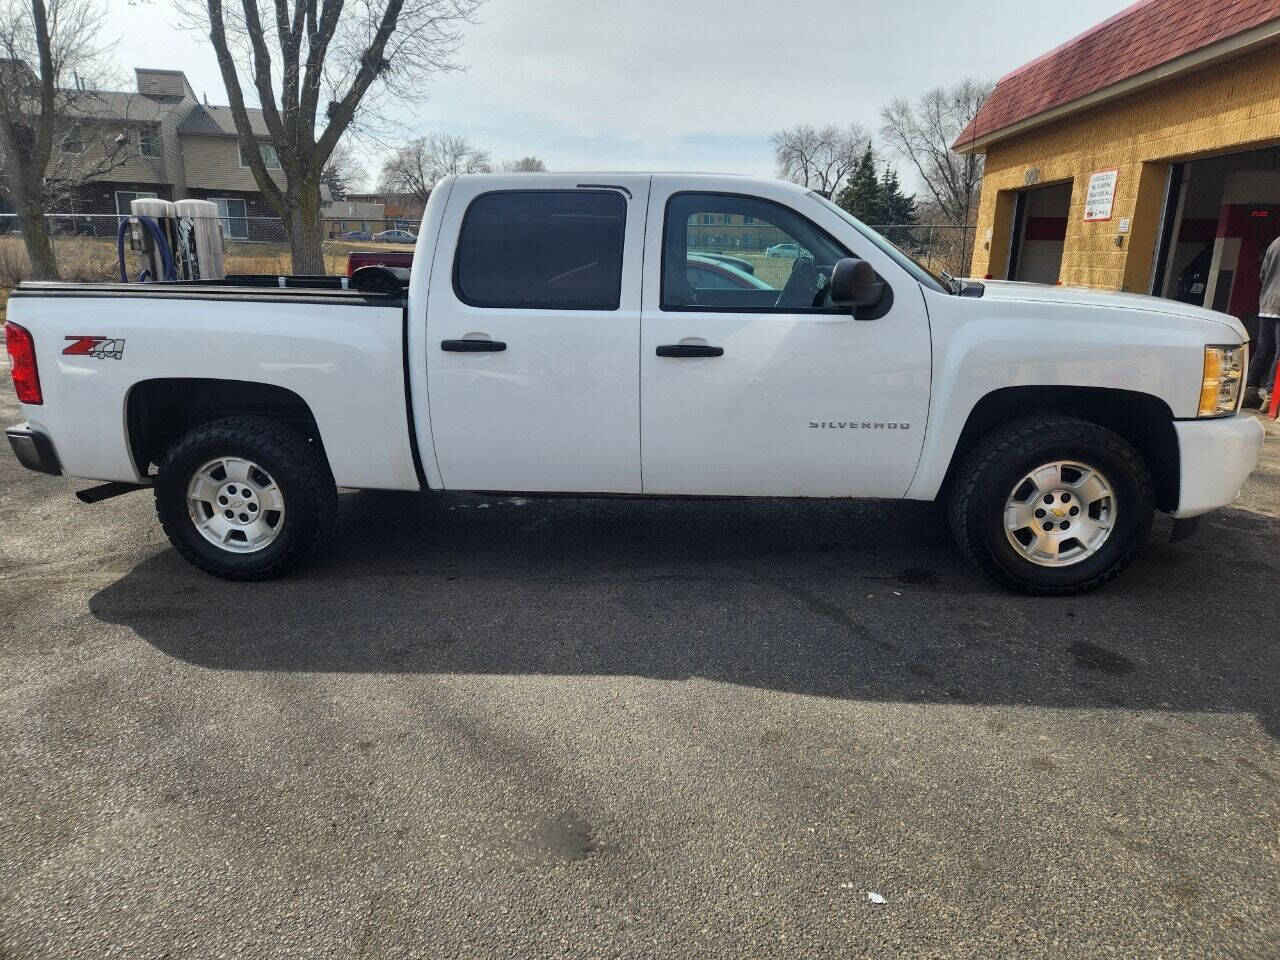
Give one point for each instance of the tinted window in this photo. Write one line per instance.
(542, 249)
(775, 259)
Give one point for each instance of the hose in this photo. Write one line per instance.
(162, 244)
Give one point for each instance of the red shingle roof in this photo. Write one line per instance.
(1137, 39)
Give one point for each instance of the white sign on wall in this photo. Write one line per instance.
(1101, 195)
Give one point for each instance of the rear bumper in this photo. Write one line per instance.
(1216, 458)
(34, 450)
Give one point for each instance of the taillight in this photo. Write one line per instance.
(22, 355)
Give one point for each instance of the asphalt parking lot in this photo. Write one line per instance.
(501, 728)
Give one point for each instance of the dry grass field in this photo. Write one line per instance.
(93, 259)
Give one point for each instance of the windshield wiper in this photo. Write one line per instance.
(952, 283)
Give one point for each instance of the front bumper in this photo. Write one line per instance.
(1216, 458)
(34, 450)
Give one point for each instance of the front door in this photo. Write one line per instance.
(752, 383)
(533, 328)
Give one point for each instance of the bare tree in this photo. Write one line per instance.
(421, 163)
(56, 130)
(338, 63)
(343, 174)
(524, 165)
(819, 158)
(922, 134)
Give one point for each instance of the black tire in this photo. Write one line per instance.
(987, 478)
(298, 468)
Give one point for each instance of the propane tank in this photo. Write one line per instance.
(156, 248)
(199, 240)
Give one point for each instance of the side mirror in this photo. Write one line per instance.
(854, 284)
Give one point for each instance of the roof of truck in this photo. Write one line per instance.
(613, 173)
(603, 178)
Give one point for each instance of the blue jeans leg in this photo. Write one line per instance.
(1262, 368)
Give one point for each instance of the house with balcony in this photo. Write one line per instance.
(159, 140)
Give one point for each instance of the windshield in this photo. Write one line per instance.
(921, 273)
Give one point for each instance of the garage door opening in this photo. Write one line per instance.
(1039, 232)
(1220, 215)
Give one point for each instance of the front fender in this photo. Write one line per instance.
(980, 348)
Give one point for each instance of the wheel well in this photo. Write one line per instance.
(1143, 420)
(158, 412)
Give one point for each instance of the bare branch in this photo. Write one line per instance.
(352, 56)
(422, 163)
(343, 174)
(239, 114)
(44, 44)
(820, 159)
(922, 134)
(523, 165)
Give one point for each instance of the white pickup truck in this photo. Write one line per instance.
(623, 334)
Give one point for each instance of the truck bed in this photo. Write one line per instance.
(338, 353)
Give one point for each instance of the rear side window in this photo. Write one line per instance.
(542, 250)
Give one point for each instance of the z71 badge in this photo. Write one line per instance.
(100, 348)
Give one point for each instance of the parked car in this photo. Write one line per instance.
(378, 258)
(708, 272)
(546, 345)
(743, 264)
(395, 236)
(789, 250)
(356, 236)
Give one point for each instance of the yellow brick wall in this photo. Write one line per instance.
(1228, 106)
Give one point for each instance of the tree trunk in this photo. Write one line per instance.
(35, 235)
(306, 234)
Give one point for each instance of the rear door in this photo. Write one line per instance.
(533, 328)
(761, 387)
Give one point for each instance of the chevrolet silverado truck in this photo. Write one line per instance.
(557, 335)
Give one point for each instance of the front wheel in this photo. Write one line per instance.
(244, 498)
(1052, 505)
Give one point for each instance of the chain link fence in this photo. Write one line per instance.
(85, 244)
(770, 251)
(236, 228)
(939, 247)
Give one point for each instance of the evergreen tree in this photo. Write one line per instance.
(895, 206)
(861, 195)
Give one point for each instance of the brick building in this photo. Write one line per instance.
(1144, 155)
(402, 210)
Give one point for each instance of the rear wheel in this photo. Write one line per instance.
(244, 498)
(1052, 505)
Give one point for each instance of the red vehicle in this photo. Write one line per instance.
(378, 258)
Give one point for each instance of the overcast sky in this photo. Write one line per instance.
(677, 84)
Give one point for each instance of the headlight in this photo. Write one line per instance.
(1223, 374)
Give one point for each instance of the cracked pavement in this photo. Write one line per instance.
(495, 727)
